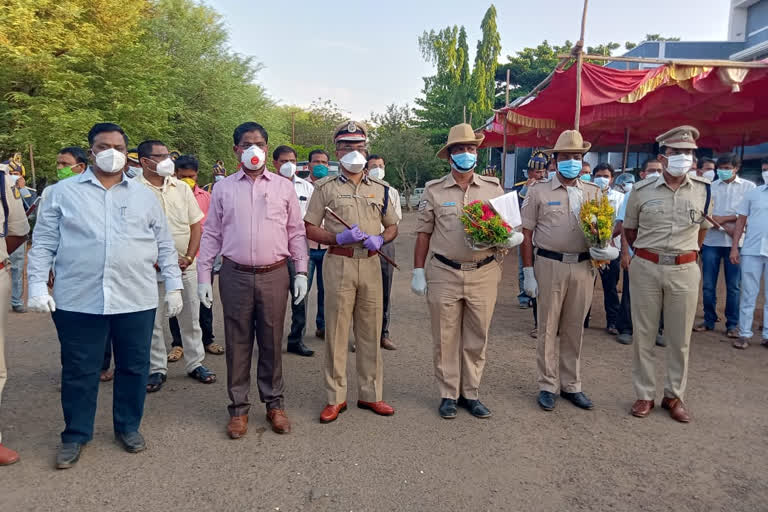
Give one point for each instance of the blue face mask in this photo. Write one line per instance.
(586, 177)
(463, 162)
(570, 169)
(725, 174)
(320, 171)
(602, 182)
(217, 178)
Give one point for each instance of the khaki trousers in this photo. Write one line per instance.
(675, 288)
(5, 295)
(461, 305)
(353, 291)
(565, 295)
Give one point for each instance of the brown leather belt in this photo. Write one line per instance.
(256, 270)
(351, 252)
(667, 259)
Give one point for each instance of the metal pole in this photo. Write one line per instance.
(32, 166)
(626, 150)
(579, 65)
(465, 114)
(504, 143)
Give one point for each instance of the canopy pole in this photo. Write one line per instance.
(626, 150)
(743, 140)
(579, 65)
(504, 143)
(32, 166)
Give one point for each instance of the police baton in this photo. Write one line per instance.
(384, 256)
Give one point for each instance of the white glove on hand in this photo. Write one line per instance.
(300, 286)
(419, 282)
(530, 286)
(205, 294)
(173, 303)
(515, 239)
(42, 304)
(607, 254)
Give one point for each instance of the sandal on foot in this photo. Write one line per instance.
(214, 348)
(203, 374)
(175, 354)
(702, 327)
(741, 344)
(106, 375)
(732, 333)
(155, 382)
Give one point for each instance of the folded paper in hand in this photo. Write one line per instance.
(508, 208)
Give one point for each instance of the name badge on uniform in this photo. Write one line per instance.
(449, 203)
(369, 196)
(553, 203)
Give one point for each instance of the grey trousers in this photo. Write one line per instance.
(387, 271)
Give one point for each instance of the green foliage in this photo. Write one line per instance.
(483, 227)
(483, 84)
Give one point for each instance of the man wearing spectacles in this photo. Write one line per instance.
(665, 224)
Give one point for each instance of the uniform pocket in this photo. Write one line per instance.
(448, 217)
(277, 210)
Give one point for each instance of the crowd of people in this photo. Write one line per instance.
(127, 241)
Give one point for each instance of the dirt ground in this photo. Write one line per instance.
(521, 459)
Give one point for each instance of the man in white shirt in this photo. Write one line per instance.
(375, 169)
(284, 160)
(753, 257)
(602, 176)
(728, 192)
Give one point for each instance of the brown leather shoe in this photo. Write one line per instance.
(332, 411)
(279, 421)
(7, 456)
(381, 407)
(387, 344)
(238, 426)
(642, 408)
(676, 409)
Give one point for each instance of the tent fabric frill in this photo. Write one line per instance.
(728, 105)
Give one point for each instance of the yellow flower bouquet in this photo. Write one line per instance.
(597, 219)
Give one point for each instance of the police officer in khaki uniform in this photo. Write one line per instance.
(351, 270)
(460, 283)
(665, 224)
(14, 226)
(563, 277)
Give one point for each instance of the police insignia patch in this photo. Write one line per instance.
(422, 206)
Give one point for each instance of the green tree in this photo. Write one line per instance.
(483, 85)
(649, 37)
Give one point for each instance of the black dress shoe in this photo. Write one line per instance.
(133, 442)
(475, 407)
(546, 400)
(298, 347)
(68, 455)
(447, 408)
(578, 399)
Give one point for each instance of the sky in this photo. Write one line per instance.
(364, 56)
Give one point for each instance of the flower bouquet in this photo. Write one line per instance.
(597, 218)
(484, 228)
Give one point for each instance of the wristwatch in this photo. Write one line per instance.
(189, 259)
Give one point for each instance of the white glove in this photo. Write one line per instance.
(607, 254)
(515, 239)
(300, 285)
(419, 282)
(42, 304)
(205, 294)
(173, 303)
(530, 286)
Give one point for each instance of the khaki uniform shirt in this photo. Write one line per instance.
(440, 213)
(666, 220)
(17, 219)
(180, 207)
(357, 204)
(547, 212)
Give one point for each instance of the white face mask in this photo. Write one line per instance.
(110, 160)
(253, 158)
(376, 172)
(165, 168)
(602, 182)
(653, 174)
(677, 165)
(708, 175)
(353, 162)
(218, 177)
(288, 169)
(132, 171)
(765, 177)
(627, 187)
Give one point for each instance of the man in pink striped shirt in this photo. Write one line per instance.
(255, 223)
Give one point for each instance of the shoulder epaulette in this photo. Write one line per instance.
(380, 182)
(700, 179)
(645, 182)
(323, 181)
(435, 182)
(490, 179)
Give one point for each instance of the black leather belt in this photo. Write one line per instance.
(472, 265)
(565, 257)
(255, 270)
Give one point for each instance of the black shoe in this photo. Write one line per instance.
(320, 333)
(298, 347)
(155, 382)
(578, 399)
(624, 338)
(660, 341)
(475, 407)
(68, 455)
(133, 442)
(447, 408)
(546, 400)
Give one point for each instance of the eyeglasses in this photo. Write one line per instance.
(246, 145)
